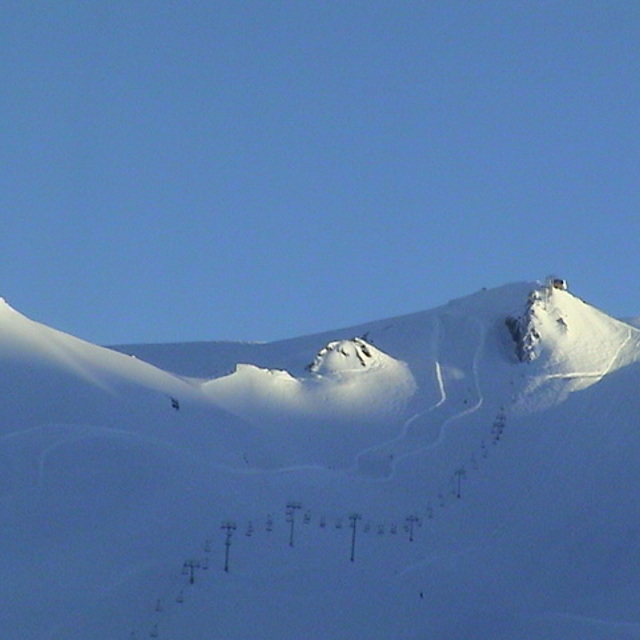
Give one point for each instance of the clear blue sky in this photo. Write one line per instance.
(258, 170)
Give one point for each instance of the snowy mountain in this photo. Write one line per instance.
(465, 472)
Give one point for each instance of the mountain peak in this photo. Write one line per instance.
(541, 315)
(568, 338)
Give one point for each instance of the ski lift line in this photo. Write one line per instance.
(412, 522)
(473, 463)
(166, 600)
(229, 526)
(459, 474)
(354, 517)
(478, 404)
(191, 566)
(174, 596)
(292, 507)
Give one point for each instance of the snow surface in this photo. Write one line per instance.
(409, 478)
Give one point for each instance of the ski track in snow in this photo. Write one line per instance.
(441, 436)
(443, 392)
(435, 347)
(479, 402)
(435, 342)
(590, 374)
(88, 431)
(411, 568)
(442, 386)
(442, 430)
(78, 433)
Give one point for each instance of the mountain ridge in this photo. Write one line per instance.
(418, 470)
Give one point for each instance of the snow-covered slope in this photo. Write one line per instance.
(569, 340)
(465, 472)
